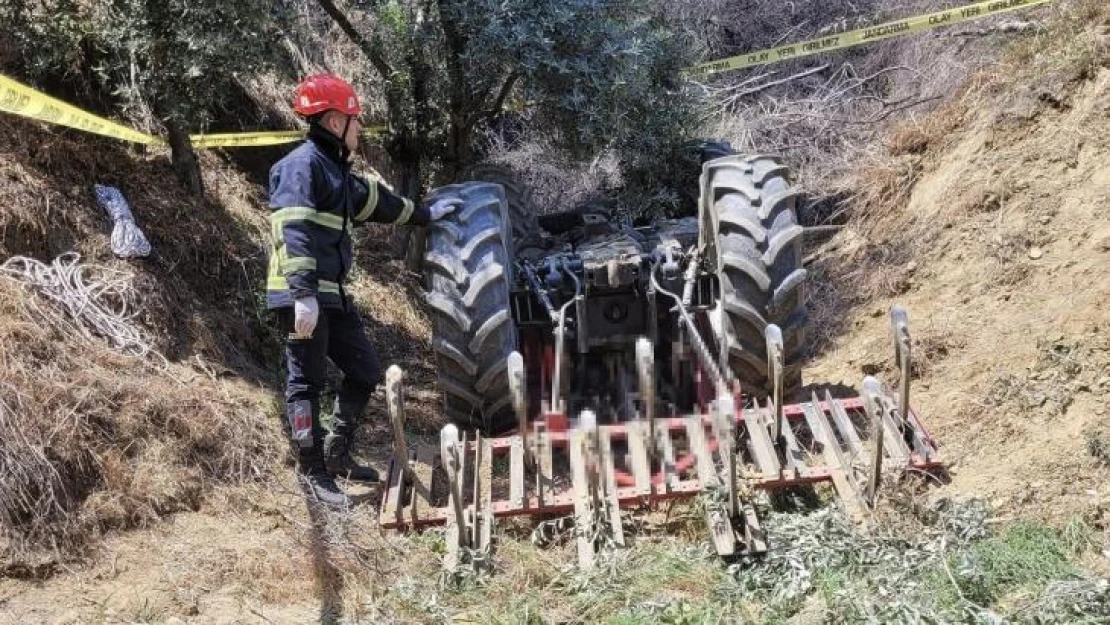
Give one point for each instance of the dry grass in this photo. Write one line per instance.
(86, 450)
(556, 185)
(827, 114)
(93, 440)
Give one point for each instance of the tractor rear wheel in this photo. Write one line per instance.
(468, 273)
(758, 246)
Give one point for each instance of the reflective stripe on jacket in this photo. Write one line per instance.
(314, 202)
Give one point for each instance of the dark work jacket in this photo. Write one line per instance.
(315, 200)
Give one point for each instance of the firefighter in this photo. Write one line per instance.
(315, 200)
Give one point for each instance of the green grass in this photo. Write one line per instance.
(1025, 554)
(946, 566)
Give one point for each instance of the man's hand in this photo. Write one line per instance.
(442, 207)
(306, 312)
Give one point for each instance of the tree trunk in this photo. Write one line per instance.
(185, 163)
(459, 148)
(417, 238)
(165, 104)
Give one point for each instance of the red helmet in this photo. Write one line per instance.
(325, 92)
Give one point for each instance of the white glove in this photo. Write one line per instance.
(442, 207)
(306, 312)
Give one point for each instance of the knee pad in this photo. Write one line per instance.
(300, 415)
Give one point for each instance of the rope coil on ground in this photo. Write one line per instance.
(95, 301)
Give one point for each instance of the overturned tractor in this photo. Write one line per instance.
(615, 366)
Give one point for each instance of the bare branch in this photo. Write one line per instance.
(372, 48)
(506, 89)
(775, 83)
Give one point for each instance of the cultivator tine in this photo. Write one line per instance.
(584, 505)
(609, 482)
(516, 473)
(481, 513)
(873, 395)
(840, 469)
(472, 510)
(401, 475)
(774, 366)
(637, 451)
(762, 447)
(395, 404)
(451, 459)
(520, 405)
(724, 413)
(900, 330)
(755, 539)
(645, 371)
(544, 473)
(588, 424)
(843, 423)
(718, 520)
(667, 460)
(791, 450)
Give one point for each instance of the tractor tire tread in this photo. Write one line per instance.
(468, 281)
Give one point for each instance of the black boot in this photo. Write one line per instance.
(323, 488)
(338, 459)
(320, 485)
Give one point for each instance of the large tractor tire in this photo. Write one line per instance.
(757, 242)
(522, 209)
(467, 270)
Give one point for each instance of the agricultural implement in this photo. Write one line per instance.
(589, 367)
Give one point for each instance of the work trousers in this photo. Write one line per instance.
(340, 336)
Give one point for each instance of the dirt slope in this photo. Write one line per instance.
(1001, 252)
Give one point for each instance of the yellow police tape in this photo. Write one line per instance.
(258, 139)
(863, 35)
(22, 100)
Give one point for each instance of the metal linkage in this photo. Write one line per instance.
(689, 279)
(580, 329)
(557, 374)
(537, 288)
(702, 351)
(724, 412)
(560, 319)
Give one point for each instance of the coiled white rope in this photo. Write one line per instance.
(99, 302)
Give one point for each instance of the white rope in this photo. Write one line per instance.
(98, 301)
